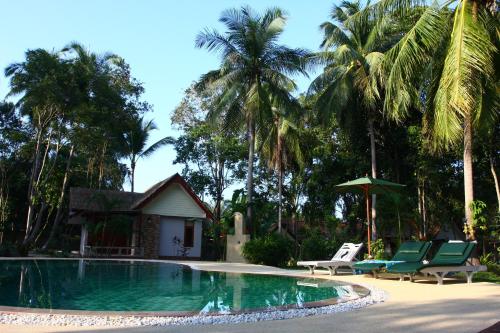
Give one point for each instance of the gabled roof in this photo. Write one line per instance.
(159, 187)
(93, 200)
(86, 199)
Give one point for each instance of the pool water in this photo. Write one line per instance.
(111, 285)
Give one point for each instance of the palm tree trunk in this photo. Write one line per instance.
(219, 188)
(251, 151)
(495, 179)
(280, 185)
(468, 175)
(132, 175)
(374, 175)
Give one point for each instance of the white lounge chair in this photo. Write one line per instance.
(345, 257)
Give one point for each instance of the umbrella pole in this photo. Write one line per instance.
(368, 220)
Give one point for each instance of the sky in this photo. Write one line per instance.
(156, 37)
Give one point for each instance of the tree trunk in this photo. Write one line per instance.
(31, 189)
(495, 179)
(280, 174)
(58, 217)
(101, 165)
(422, 208)
(280, 190)
(38, 224)
(468, 176)
(132, 175)
(374, 175)
(251, 150)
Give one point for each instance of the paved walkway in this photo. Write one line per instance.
(411, 307)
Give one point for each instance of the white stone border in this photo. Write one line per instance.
(376, 296)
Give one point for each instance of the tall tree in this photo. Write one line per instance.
(40, 79)
(352, 54)
(213, 158)
(450, 57)
(253, 67)
(281, 148)
(74, 103)
(136, 139)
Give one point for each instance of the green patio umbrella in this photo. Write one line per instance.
(368, 186)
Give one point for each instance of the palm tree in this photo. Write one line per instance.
(456, 46)
(281, 147)
(352, 54)
(253, 67)
(136, 139)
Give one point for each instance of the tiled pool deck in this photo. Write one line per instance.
(411, 307)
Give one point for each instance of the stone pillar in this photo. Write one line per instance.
(83, 239)
(235, 242)
(151, 236)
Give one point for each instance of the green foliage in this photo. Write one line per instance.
(479, 217)
(493, 268)
(315, 246)
(486, 259)
(430, 68)
(67, 128)
(378, 249)
(254, 75)
(487, 277)
(213, 159)
(136, 137)
(272, 249)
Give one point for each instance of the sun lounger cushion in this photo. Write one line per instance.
(449, 254)
(405, 267)
(413, 251)
(374, 264)
(453, 249)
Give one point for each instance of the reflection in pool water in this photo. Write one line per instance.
(151, 286)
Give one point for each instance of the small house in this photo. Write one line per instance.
(166, 221)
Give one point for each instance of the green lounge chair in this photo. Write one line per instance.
(408, 252)
(451, 257)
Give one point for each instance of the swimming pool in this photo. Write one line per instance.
(156, 287)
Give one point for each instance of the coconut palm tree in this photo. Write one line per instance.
(253, 67)
(281, 147)
(136, 139)
(456, 46)
(352, 52)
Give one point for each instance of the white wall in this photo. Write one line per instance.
(171, 227)
(174, 201)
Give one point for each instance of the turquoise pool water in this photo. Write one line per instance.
(110, 285)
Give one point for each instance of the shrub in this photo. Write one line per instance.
(314, 247)
(272, 250)
(493, 268)
(378, 249)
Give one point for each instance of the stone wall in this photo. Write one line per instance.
(151, 236)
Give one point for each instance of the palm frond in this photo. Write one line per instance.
(157, 145)
(469, 59)
(408, 58)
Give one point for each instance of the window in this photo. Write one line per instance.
(188, 234)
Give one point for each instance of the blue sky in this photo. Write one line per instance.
(155, 37)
